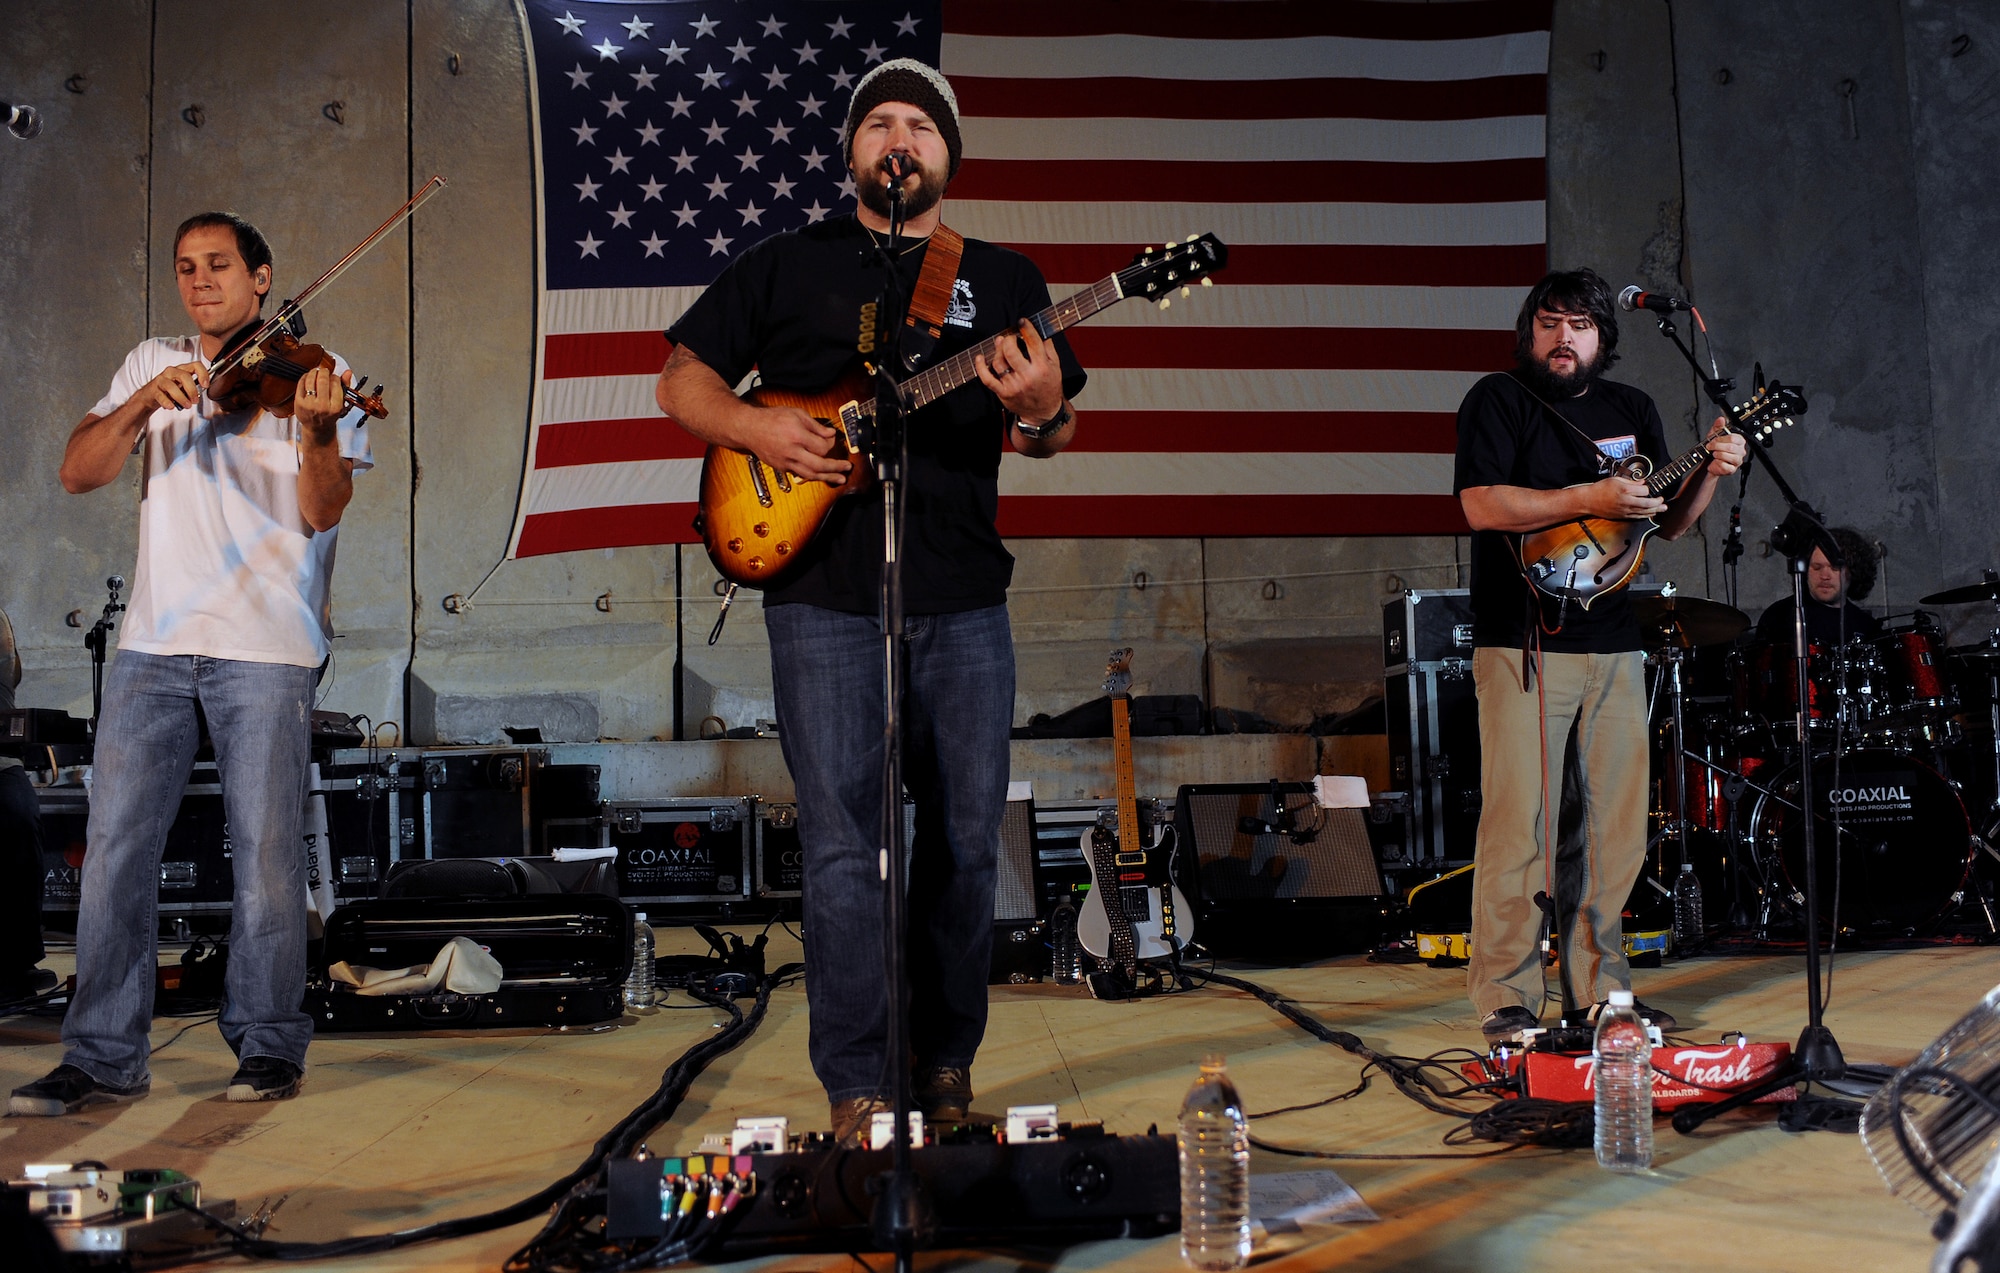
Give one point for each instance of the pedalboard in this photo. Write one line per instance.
(1029, 1179)
(1692, 1075)
(122, 1218)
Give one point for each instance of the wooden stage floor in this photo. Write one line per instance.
(395, 1131)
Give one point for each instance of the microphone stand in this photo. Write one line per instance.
(1817, 1056)
(902, 1218)
(95, 641)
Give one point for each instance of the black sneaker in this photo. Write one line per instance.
(265, 1078)
(944, 1093)
(1662, 1021)
(23, 986)
(67, 1089)
(1504, 1025)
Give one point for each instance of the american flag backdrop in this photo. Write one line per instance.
(1376, 168)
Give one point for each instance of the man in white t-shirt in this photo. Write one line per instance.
(227, 625)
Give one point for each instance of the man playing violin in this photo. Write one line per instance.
(792, 306)
(227, 629)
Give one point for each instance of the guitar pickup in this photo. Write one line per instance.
(1129, 859)
(757, 481)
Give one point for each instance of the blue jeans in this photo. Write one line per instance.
(258, 716)
(958, 706)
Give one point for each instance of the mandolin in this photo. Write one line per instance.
(755, 521)
(1587, 558)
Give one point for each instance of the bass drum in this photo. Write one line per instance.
(1904, 849)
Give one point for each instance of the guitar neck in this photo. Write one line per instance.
(1128, 801)
(928, 386)
(1663, 482)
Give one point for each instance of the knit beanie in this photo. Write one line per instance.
(906, 80)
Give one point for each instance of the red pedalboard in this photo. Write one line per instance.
(1698, 1073)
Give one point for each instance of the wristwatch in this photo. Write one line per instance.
(1039, 431)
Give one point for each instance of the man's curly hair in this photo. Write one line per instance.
(1860, 554)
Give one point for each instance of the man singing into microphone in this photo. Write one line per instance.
(227, 627)
(1536, 447)
(797, 307)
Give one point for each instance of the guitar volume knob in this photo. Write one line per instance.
(755, 563)
(762, 529)
(735, 545)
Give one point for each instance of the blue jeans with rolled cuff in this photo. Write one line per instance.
(259, 717)
(958, 707)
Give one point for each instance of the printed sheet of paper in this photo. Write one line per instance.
(1289, 1201)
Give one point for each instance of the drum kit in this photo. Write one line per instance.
(1903, 737)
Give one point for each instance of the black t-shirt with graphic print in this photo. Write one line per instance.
(1507, 437)
(790, 307)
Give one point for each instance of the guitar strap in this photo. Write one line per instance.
(932, 296)
(1599, 455)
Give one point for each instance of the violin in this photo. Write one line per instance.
(260, 366)
(266, 373)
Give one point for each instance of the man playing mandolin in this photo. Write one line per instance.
(801, 308)
(227, 626)
(1537, 447)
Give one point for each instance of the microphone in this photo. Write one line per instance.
(22, 121)
(1633, 298)
(899, 167)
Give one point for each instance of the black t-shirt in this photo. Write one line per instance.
(1507, 437)
(791, 308)
(1823, 623)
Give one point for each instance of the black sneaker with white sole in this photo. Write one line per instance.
(265, 1078)
(67, 1089)
(1504, 1025)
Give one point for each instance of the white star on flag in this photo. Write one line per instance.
(589, 243)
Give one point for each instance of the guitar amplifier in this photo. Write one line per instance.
(1275, 873)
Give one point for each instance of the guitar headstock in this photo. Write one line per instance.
(1118, 673)
(1769, 408)
(1156, 272)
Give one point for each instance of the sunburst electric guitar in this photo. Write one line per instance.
(755, 521)
(1584, 559)
(1134, 910)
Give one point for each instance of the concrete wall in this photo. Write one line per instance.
(1839, 234)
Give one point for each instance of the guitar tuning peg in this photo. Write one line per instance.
(1190, 238)
(1187, 291)
(1166, 302)
(1206, 281)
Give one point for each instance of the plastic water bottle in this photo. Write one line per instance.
(639, 982)
(1066, 958)
(1623, 1077)
(1215, 1172)
(1688, 922)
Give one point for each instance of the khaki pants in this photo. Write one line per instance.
(1603, 696)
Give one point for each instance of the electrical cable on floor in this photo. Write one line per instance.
(585, 1179)
(1517, 1123)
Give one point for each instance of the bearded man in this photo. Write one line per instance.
(799, 307)
(1536, 447)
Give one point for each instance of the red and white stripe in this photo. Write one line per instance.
(1377, 170)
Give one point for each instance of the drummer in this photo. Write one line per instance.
(1832, 618)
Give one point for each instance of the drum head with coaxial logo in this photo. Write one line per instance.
(1891, 839)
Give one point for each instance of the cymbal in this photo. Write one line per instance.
(1687, 621)
(1984, 590)
(1984, 650)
